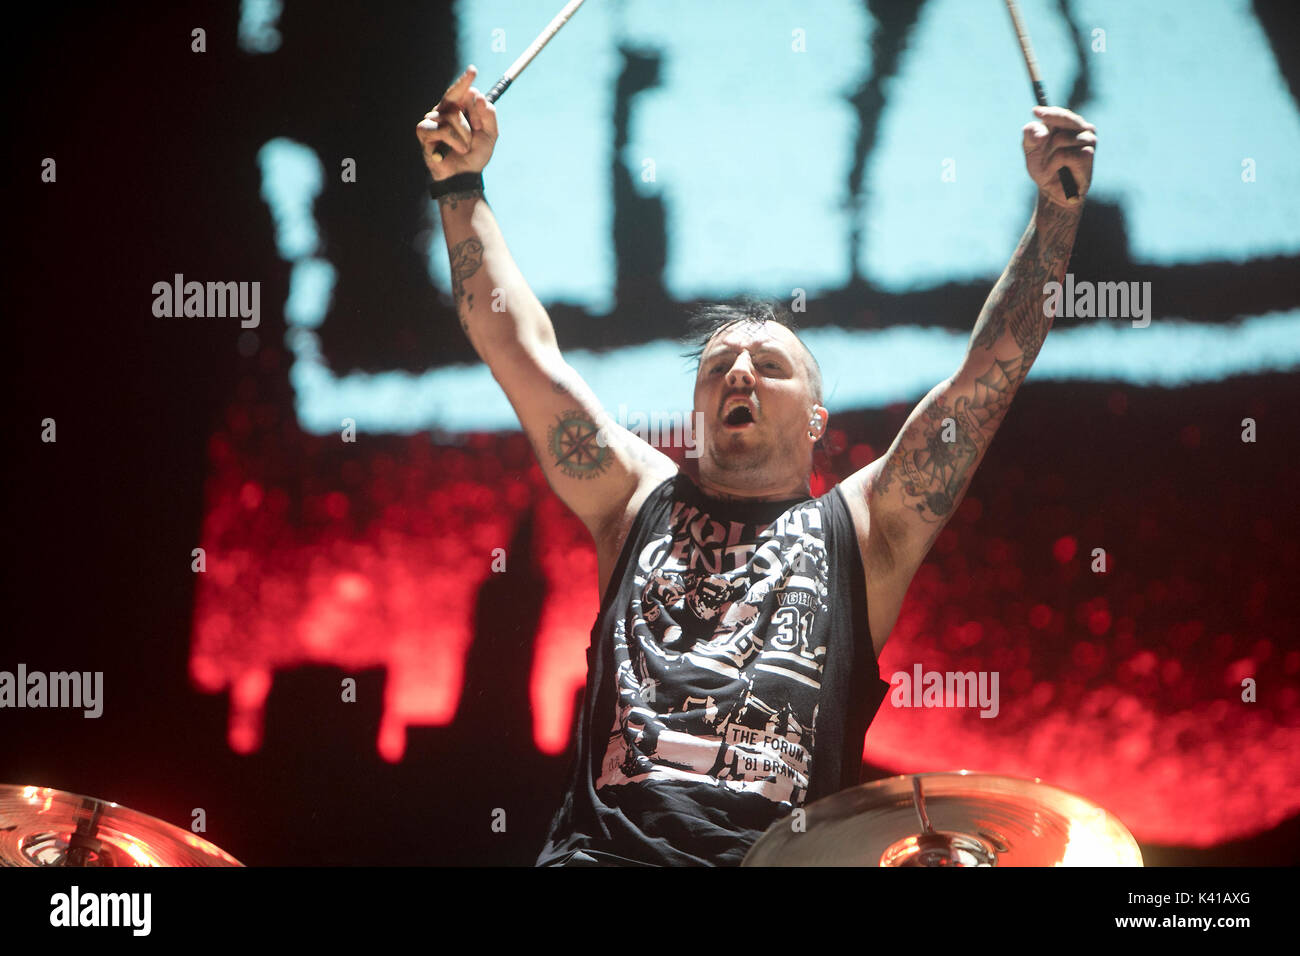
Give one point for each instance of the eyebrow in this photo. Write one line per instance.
(724, 349)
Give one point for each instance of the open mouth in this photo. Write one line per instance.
(738, 416)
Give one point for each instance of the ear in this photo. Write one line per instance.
(817, 421)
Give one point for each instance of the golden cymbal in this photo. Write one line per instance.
(948, 819)
(44, 827)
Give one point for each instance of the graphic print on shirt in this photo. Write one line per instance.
(717, 680)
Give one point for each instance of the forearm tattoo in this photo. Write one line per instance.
(935, 456)
(1016, 302)
(466, 258)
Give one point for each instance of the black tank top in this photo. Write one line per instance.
(730, 679)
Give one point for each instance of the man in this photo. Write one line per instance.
(732, 672)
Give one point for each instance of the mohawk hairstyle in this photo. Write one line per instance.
(706, 321)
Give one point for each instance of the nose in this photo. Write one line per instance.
(742, 372)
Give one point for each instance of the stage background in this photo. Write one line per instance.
(655, 156)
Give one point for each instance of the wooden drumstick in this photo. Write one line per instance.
(1040, 92)
(522, 61)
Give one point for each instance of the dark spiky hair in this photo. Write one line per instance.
(705, 321)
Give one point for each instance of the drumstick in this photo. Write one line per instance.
(1040, 92)
(524, 59)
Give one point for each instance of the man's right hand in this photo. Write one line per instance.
(466, 122)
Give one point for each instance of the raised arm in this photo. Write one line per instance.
(592, 463)
(912, 490)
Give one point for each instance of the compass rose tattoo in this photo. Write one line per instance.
(575, 446)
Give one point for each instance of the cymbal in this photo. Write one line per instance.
(948, 819)
(44, 827)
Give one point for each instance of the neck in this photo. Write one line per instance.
(766, 492)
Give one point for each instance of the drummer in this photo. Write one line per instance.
(732, 672)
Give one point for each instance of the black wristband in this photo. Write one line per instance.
(461, 182)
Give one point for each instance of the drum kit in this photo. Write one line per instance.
(948, 819)
(925, 819)
(44, 827)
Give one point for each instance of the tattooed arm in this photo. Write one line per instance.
(923, 476)
(593, 464)
(902, 500)
(496, 308)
